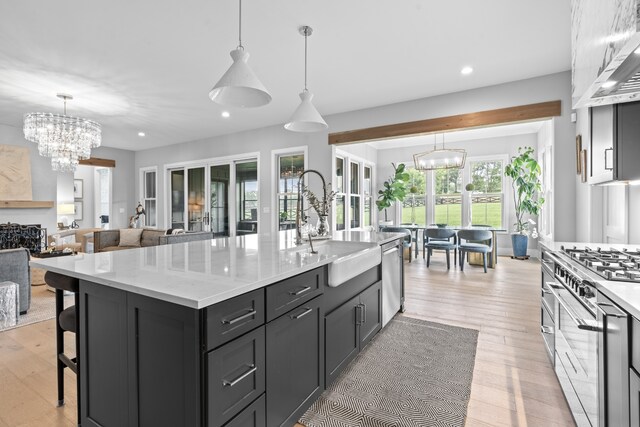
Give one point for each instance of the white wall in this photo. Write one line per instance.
(540, 89)
(86, 173)
(45, 183)
(507, 145)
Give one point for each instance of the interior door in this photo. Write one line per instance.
(177, 189)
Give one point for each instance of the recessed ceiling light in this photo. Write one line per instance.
(466, 71)
(225, 114)
(141, 134)
(609, 83)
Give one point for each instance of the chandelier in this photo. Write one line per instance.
(440, 158)
(66, 139)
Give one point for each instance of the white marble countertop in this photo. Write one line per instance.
(625, 294)
(199, 274)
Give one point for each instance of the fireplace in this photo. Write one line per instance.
(30, 236)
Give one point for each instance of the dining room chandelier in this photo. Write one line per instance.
(440, 158)
(65, 139)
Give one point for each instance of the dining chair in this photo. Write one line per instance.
(406, 243)
(469, 241)
(415, 232)
(440, 239)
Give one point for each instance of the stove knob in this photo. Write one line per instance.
(582, 291)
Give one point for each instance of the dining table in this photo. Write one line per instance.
(475, 259)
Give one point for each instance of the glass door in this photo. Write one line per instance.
(198, 217)
(246, 197)
(219, 199)
(177, 189)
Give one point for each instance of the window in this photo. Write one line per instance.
(149, 196)
(487, 198)
(368, 191)
(340, 196)
(448, 197)
(219, 187)
(414, 204)
(354, 180)
(289, 168)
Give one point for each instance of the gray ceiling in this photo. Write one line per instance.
(148, 65)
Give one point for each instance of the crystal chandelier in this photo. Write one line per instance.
(66, 139)
(440, 158)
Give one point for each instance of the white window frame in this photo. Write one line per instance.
(349, 158)
(232, 160)
(466, 200)
(143, 198)
(275, 168)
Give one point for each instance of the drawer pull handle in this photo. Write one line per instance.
(239, 318)
(227, 383)
(301, 291)
(304, 313)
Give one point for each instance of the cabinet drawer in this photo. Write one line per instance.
(232, 318)
(288, 294)
(635, 344)
(235, 376)
(254, 415)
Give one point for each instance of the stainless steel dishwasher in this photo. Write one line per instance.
(392, 281)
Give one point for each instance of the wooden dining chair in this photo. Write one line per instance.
(469, 241)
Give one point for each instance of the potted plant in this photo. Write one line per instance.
(524, 172)
(393, 189)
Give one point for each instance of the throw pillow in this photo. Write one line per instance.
(130, 237)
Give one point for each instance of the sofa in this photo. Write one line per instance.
(78, 239)
(109, 240)
(14, 267)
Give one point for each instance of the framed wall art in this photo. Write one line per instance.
(77, 189)
(77, 214)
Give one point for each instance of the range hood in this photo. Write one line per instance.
(605, 52)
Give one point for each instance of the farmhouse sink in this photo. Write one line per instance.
(351, 258)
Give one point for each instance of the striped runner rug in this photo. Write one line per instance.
(413, 373)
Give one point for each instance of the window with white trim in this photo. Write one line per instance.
(487, 198)
(289, 168)
(353, 182)
(447, 197)
(149, 198)
(340, 213)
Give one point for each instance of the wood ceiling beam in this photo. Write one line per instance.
(521, 113)
(95, 161)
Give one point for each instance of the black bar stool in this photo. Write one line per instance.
(67, 320)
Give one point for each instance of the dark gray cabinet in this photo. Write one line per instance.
(350, 327)
(254, 360)
(140, 360)
(295, 362)
(634, 398)
(615, 152)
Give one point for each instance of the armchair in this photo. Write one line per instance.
(14, 267)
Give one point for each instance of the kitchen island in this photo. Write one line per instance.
(224, 332)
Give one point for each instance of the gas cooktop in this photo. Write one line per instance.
(609, 264)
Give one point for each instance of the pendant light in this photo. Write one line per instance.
(239, 86)
(306, 118)
(440, 158)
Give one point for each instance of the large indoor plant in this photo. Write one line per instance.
(524, 172)
(393, 189)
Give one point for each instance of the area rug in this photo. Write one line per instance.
(43, 307)
(413, 373)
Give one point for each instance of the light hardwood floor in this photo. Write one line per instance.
(513, 382)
